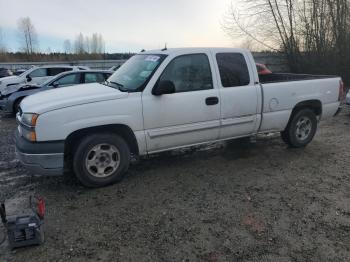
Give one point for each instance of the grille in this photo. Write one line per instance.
(24, 234)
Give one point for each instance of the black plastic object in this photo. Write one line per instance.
(24, 230)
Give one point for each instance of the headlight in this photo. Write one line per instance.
(28, 134)
(27, 125)
(29, 119)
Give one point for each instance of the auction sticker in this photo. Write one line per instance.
(152, 58)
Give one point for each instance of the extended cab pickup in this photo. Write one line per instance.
(163, 100)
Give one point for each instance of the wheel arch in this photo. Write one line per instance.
(313, 104)
(124, 131)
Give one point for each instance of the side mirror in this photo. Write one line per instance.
(163, 88)
(28, 78)
(55, 84)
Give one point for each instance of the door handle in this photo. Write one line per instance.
(210, 101)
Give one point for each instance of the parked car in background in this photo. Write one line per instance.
(347, 99)
(114, 68)
(12, 97)
(262, 69)
(166, 99)
(36, 75)
(5, 72)
(19, 71)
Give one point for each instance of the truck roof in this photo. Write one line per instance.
(170, 51)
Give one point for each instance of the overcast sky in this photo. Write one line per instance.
(128, 25)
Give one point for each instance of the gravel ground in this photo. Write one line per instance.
(236, 201)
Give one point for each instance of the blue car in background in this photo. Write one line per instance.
(11, 97)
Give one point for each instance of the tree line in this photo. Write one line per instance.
(314, 34)
(93, 44)
(82, 47)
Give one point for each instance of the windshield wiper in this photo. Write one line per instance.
(120, 86)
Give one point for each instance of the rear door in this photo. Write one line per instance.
(239, 94)
(189, 116)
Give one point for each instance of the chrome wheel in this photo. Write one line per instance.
(304, 128)
(102, 160)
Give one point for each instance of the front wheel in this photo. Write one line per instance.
(101, 160)
(301, 129)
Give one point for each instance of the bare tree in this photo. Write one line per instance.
(28, 35)
(2, 42)
(90, 45)
(79, 45)
(97, 44)
(94, 43)
(87, 44)
(101, 44)
(67, 46)
(311, 33)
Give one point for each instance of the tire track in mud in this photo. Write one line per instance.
(13, 177)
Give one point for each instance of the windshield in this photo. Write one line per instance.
(134, 74)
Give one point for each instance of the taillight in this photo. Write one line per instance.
(341, 90)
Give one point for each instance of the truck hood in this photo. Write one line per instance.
(12, 80)
(69, 96)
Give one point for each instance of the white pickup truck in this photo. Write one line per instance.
(163, 100)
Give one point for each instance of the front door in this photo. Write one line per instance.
(189, 116)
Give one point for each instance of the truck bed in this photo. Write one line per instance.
(282, 92)
(287, 77)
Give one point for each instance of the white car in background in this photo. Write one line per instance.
(347, 99)
(37, 75)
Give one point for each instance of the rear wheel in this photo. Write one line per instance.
(301, 128)
(101, 159)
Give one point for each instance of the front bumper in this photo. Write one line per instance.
(42, 158)
(45, 164)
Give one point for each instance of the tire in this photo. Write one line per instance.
(101, 159)
(301, 129)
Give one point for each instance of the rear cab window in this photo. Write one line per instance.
(233, 69)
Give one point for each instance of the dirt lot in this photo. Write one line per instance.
(229, 202)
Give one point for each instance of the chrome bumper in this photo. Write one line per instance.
(42, 164)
